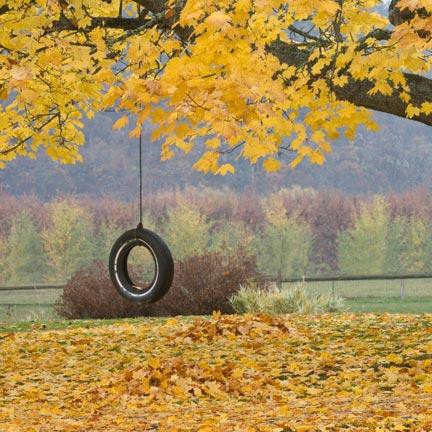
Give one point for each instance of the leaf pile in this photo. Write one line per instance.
(227, 373)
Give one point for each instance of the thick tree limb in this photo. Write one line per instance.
(104, 22)
(155, 6)
(356, 92)
(398, 16)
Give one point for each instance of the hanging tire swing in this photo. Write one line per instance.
(161, 266)
(155, 272)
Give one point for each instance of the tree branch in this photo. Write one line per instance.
(29, 137)
(307, 35)
(356, 92)
(135, 31)
(155, 6)
(399, 15)
(121, 23)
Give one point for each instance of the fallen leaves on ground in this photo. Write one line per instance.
(227, 373)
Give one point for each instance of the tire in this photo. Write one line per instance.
(118, 266)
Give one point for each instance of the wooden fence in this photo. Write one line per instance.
(21, 301)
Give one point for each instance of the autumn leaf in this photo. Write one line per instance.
(224, 169)
(272, 165)
(121, 122)
(218, 20)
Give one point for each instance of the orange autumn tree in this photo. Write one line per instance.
(240, 78)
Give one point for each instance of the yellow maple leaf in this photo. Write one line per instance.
(121, 122)
(219, 20)
(3, 93)
(394, 358)
(225, 168)
(317, 157)
(272, 165)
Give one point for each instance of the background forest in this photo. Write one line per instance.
(292, 232)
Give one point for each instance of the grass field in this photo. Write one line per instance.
(293, 373)
(391, 304)
(409, 296)
(375, 288)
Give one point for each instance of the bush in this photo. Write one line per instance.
(408, 246)
(201, 285)
(362, 249)
(90, 294)
(3, 267)
(230, 237)
(254, 299)
(186, 231)
(284, 246)
(24, 260)
(69, 241)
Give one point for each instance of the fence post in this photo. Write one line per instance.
(9, 309)
(402, 288)
(279, 280)
(333, 289)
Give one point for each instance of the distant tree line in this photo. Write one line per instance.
(293, 232)
(396, 158)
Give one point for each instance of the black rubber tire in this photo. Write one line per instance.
(163, 260)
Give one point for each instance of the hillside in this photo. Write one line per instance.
(397, 158)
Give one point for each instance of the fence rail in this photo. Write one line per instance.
(335, 278)
(355, 278)
(31, 287)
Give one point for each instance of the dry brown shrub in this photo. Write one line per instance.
(202, 284)
(90, 294)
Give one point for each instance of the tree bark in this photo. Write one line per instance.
(104, 22)
(398, 16)
(356, 92)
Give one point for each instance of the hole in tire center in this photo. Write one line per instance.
(141, 267)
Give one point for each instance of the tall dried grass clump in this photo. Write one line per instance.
(252, 298)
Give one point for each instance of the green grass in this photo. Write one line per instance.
(31, 296)
(414, 305)
(362, 296)
(28, 305)
(375, 288)
(378, 305)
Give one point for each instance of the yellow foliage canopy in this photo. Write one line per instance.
(206, 73)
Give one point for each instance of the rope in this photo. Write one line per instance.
(141, 183)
